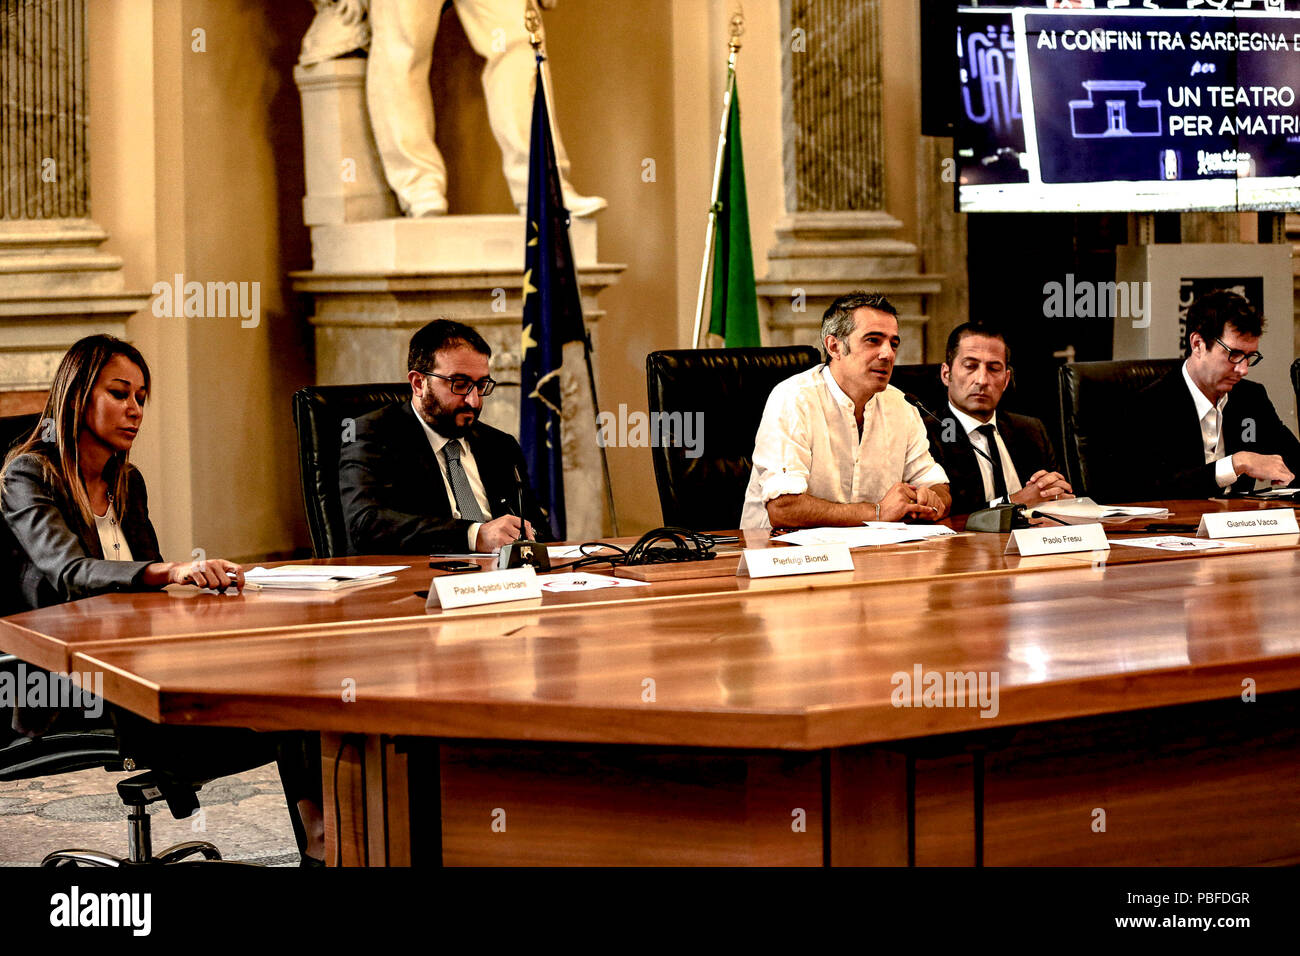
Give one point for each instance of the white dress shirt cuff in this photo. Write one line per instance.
(784, 483)
(1224, 473)
(473, 535)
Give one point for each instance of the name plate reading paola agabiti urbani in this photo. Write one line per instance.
(809, 559)
(1058, 540)
(1243, 524)
(488, 587)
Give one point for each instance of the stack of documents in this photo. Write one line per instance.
(321, 577)
(1087, 511)
(869, 534)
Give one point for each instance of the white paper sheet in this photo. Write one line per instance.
(857, 537)
(581, 581)
(1087, 511)
(320, 572)
(1175, 542)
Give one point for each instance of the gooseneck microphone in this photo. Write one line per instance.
(920, 406)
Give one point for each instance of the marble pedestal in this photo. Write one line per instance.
(375, 283)
(821, 255)
(56, 286)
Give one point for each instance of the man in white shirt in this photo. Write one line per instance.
(837, 444)
(426, 476)
(991, 457)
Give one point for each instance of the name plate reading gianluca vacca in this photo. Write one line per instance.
(1242, 524)
(810, 559)
(488, 587)
(1061, 539)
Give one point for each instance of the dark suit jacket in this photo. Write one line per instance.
(1026, 440)
(53, 556)
(1165, 447)
(56, 557)
(394, 499)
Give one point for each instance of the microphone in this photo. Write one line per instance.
(920, 406)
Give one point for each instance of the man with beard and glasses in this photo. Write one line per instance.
(838, 445)
(426, 476)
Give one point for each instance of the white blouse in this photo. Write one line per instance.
(111, 538)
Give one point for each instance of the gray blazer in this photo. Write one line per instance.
(55, 556)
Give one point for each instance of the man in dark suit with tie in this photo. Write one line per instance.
(1203, 430)
(991, 457)
(426, 476)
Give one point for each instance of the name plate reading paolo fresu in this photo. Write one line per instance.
(809, 559)
(1244, 524)
(1062, 539)
(488, 587)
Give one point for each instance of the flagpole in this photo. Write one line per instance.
(733, 48)
(532, 23)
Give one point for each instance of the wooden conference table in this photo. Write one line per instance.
(728, 720)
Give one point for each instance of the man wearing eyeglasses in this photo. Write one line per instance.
(1206, 430)
(426, 476)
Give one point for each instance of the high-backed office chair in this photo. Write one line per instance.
(1295, 380)
(14, 428)
(318, 414)
(1024, 394)
(1096, 399)
(177, 776)
(729, 387)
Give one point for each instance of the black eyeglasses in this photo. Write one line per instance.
(1237, 356)
(461, 384)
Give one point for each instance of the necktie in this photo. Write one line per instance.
(466, 503)
(995, 458)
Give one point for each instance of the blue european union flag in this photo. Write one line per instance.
(552, 317)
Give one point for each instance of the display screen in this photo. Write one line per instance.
(1173, 105)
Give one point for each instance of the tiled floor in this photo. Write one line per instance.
(244, 815)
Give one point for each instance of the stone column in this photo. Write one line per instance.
(836, 235)
(55, 283)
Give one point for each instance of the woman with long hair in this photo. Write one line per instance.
(78, 515)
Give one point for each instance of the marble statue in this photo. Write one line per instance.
(401, 34)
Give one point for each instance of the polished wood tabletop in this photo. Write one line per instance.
(791, 670)
(50, 637)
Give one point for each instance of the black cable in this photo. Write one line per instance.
(660, 546)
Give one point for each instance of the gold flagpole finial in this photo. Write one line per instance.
(533, 24)
(736, 27)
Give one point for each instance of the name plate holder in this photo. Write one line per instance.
(449, 591)
(808, 559)
(1062, 539)
(1245, 524)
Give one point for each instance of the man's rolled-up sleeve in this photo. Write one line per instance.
(783, 449)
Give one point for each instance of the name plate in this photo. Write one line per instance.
(1243, 524)
(487, 587)
(810, 559)
(1062, 539)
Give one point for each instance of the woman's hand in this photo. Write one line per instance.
(214, 573)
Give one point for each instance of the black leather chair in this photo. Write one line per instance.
(730, 386)
(1295, 380)
(318, 414)
(1096, 398)
(15, 428)
(177, 776)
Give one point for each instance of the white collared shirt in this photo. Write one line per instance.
(977, 440)
(1211, 419)
(436, 442)
(808, 442)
